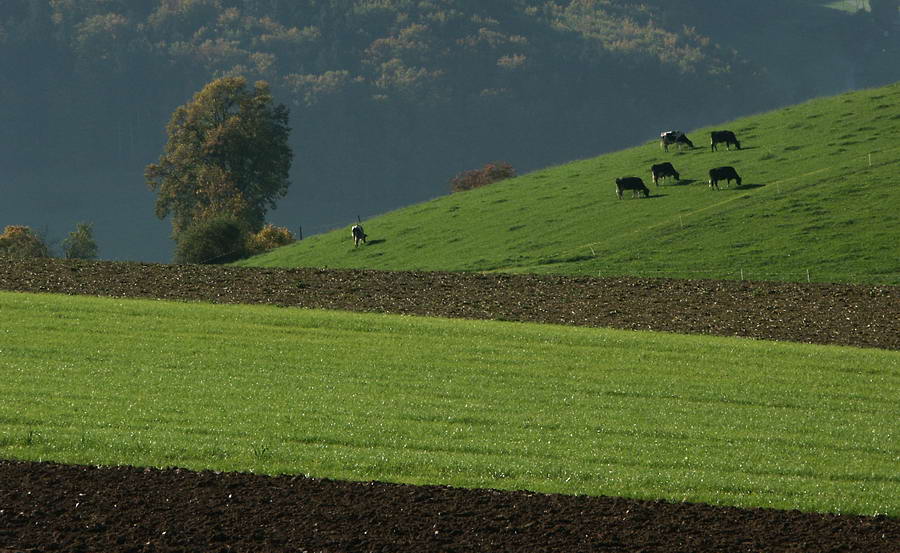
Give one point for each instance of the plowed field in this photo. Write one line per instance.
(48, 507)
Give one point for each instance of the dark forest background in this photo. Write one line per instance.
(390, 99)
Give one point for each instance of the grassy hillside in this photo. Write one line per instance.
(465, 403)
(819, 201)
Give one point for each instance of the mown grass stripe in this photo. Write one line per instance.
(464, 403)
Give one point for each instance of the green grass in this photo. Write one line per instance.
(819, 201)
(463, 403)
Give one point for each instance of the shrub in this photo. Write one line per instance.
(220, 239)
(269, 238)
(20, 241)
(490, 173)
(80, 242)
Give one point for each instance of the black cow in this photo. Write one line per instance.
(663, 170)
(635, 184)
(356, 231)
(723, 173)
(718, 137)
(674, 137)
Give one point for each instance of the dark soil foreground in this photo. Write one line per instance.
(49, 507)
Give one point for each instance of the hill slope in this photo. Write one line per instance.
(818, 202)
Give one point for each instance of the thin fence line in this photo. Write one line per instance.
(745, 273)
(750, 271)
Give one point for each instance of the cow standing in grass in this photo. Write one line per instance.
(674, 137)
(723, 174)
(726, 137)
(635, 184)
(358, 235)
(663, 170)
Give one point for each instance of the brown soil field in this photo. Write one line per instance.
(50, 507)
(840, 314)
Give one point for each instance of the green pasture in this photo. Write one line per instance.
(819, 201)
(463, 403)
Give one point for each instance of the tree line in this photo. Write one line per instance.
(126, 64)
(20, 241)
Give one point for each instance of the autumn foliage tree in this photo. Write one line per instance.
(474, 178)
(227, 154)
(19, 241)
(269, 238)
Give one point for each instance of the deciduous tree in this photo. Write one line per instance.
(269, 238)
(80, 243)
(475, 178)
(219, 239)
(227, 153)
(20, 241)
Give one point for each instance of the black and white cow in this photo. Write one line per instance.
(663, 170)
(727, 174)
(356, 231)
(674, 137)
(635, 184)
(719, 137)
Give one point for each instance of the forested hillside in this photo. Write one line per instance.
(389, 99)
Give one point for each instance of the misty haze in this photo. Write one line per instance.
(384, 109)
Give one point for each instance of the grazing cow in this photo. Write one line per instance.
(358, 234)
(663, 170)
(723, 173)
(718, 137)
(635, 184)
(674, 137)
